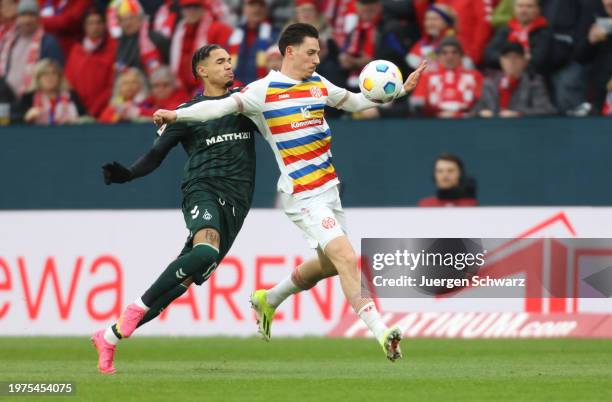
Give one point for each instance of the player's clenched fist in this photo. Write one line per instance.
(116, 173)
(163, 116)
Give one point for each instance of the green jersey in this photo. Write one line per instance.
(221, 154)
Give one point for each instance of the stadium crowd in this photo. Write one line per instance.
(69, 61)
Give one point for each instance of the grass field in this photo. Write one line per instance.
(314, 369)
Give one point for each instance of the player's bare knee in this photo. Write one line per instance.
(208, 236)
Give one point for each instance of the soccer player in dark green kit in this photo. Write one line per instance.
(217, 186)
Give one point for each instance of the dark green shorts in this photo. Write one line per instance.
(204, 209)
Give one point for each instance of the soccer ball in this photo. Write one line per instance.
(380, 81)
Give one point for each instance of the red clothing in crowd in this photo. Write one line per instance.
(520, 34)
(90, 72)
(64, 20)
(190, 37)
(443, 90)
(150, 105)
(434, 201)
(607, 109)
(473, 23)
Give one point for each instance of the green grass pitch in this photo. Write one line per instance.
(316, 369)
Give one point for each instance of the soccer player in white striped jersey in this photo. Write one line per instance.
(288, 108)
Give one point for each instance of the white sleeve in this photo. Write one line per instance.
(344, 99)
(252, 97)
(208, 110)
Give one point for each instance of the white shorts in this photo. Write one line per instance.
(320, 217)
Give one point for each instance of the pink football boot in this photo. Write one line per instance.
(106, 353)
(129, 319)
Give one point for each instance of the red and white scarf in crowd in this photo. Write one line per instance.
(32, 57)
(201, 39)
(165, 19)
(342, 17)
(520, 34)
(362, 43)
(53, 111)
(149, 55)
(506, 88)
(363, 38)
(6, 29)
(218, 9)
(91, 45)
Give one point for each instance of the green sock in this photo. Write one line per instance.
(197, 264)
(160, 304)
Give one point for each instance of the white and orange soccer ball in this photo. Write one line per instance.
(380, 81)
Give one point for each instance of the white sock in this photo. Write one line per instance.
(371, 317)
(141, 304)
(280, 292)
(110, 336)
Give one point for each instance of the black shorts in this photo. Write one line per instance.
(204, 209)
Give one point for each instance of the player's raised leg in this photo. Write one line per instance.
(341, 253)
(199, 262)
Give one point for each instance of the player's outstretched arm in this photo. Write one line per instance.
(201, 111)
(115, 172)
(356, 102)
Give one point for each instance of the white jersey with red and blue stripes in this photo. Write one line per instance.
(290, 114)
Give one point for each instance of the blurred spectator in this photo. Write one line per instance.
(531, 30)
(514, 92)
(607, 110)
(595, 49)
(165, 93)
(90, 67)
(137, 46)
(196, 28)
(25, 46)
(568, 79)
(8, 15)
(307, 12)
(62, 19)
(437, 25)
(167, 15)
(451, 90)
(274, 58)
(453, 187)
(249, 42)
(473, 25)
(49, 102)
(342, 17)
(129, 93)
(280, 12)
(373, 38)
